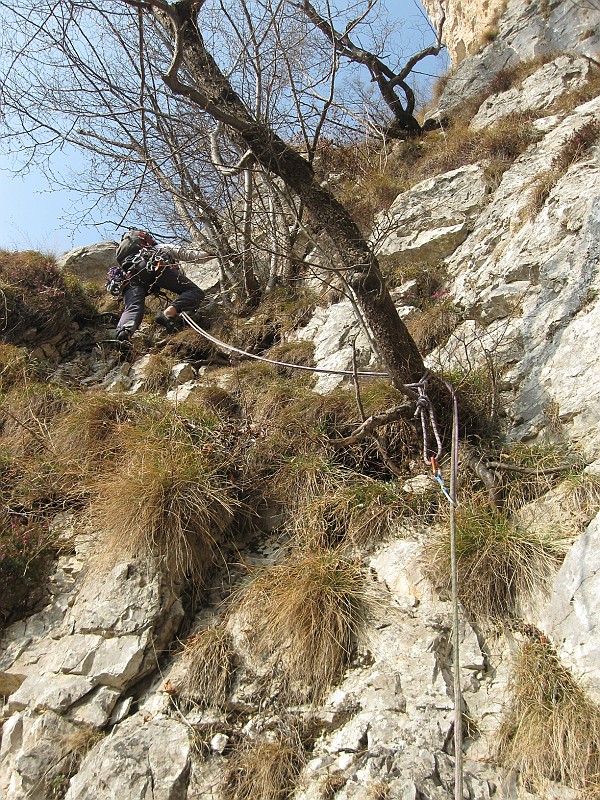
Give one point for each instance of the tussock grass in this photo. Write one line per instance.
(209, 666)
(157, 373)
(499, 566)
(278, 313)
(167, 500)
(434, 325)
(357, 511)
(309, 613)
(520, 489)
(88, 432)
(551, 728)
(265, 770)
(14, 366)
(300, 352)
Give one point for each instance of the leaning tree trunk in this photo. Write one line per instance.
(212, 92)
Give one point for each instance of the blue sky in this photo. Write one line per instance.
(34, 214)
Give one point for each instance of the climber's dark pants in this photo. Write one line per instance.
(173, 280)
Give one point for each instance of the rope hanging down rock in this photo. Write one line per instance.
(426, 413)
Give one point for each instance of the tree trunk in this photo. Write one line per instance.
(215, 95)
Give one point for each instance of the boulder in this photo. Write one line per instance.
(428, 222)
(90, 263)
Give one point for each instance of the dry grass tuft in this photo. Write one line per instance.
(157, 373)
(300, 352)
(310, 613)
(165, 500)
(14, 366)
(499, 565)
(433, 326)
(89, 432)
(265, 770)
(357, 511)
(551, 729)
(209, 661)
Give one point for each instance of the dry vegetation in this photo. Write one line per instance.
(208, 661)
(500, 567)
(309, 613)
(551, 728)
(167, 499)
(265, 770)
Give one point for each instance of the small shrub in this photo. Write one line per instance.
(551, 728)
(309, 613)
(499, 566)
(27, 550)
(265, 770)
(208, 662)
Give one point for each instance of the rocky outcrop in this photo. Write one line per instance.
(73, 667)
(525, 31)
(149, 759)
(466, 23)
(90, 263)
(571, 617)
(428, 222)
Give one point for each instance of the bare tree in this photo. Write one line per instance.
(389, 81)
(194, 74)
(166, 76)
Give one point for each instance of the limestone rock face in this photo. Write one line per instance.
(465, 25)
(537, 92)
(428, 222)
(74, 671)
(571, 617)
(149, 760)
(532, 279)
(525, 30)
(90, 263)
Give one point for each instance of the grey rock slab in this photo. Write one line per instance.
(54, 692)
(95, 709)
(31, 752)
(125, 601)
(90, 263)
(571, 617)
(431, 219)
(538, 91)
(145, 760)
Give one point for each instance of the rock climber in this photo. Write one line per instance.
(148, 268)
